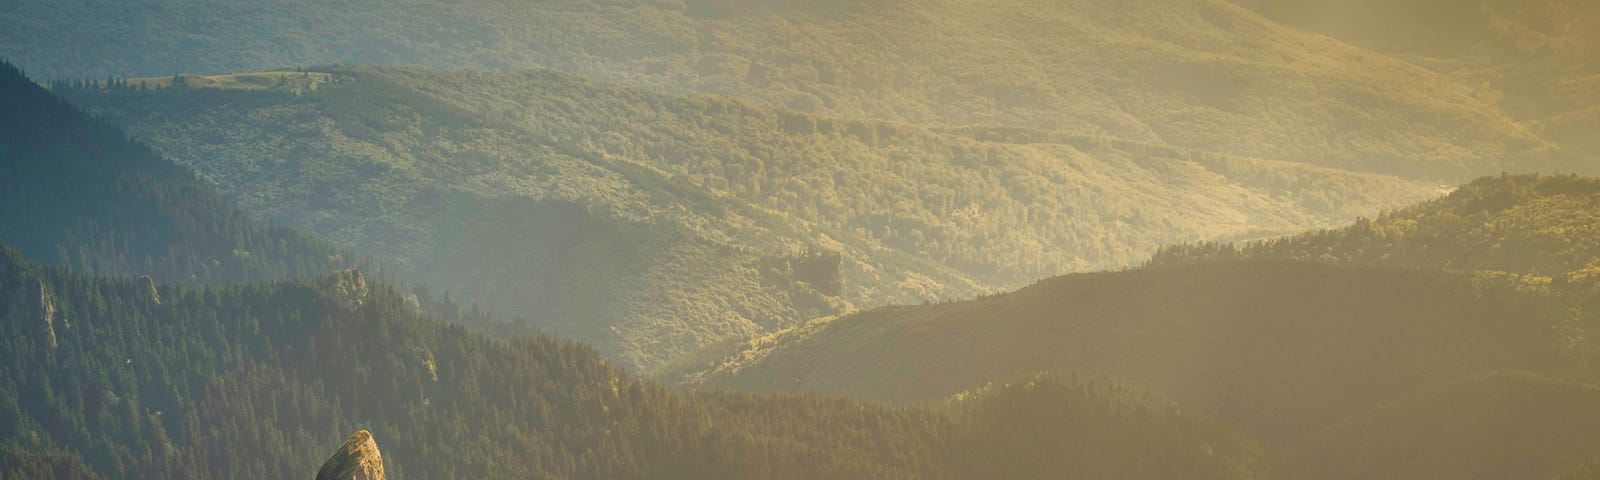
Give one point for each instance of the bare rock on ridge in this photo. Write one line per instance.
(358, 459)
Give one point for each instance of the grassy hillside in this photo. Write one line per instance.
(1276, 348)
(1192, 73)
(1499, 425)
(259, 381)
(650, 224)
(76, 191)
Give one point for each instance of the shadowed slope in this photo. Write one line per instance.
(1277, 348)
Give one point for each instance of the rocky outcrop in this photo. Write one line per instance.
(47, 307)
(28, 302)
(358, 459)
(149, 285)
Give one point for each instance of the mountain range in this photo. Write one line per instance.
(782, 239)
(650, 224)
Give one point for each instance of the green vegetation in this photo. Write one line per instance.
(132, 378)
(1451, 339)
(260, 381)
(1275, 348)
(285, 81)
(1546, 226)
(76, 191)
(1497, 425)
(1526, 232)
(651, 224)
(1201, 74)
(16, 463)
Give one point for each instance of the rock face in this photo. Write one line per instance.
(149, 284)
(48, 308)
(358, 459)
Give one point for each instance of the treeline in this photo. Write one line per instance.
(260, 381)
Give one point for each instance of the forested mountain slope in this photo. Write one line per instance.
(76, 191)
(1202, 74)
(260, 381)
(1535, 57)
(1497, 425)
(1535, 232)
(649, 224)
(1352, 347)
(1547, 226)
(1276, 348)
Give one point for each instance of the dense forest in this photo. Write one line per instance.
(1475, 311)
(798, 239)
(1275, 346)
(1202, 74)
(259, 381)
(1307, 356)
(76, 191)
(129, 377)
(677, 208)
(1547, 226)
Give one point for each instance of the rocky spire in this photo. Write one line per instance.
(358, 459)
(149, 285)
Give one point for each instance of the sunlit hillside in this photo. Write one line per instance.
(800, 239)
(651, 224)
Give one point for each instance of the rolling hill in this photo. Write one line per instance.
(1202, 74)
(650, 224)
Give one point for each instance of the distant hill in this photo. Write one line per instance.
(262, 380)
(1274, 347)
(74, 190)
(1202, 74)
(1534, 57)
(1497, 425)
(650, 224)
